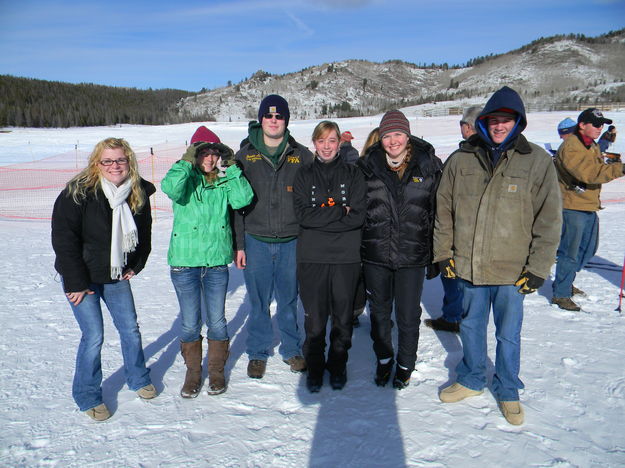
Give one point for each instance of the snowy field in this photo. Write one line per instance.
(572, 363)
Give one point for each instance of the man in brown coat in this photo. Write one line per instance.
(581, 171)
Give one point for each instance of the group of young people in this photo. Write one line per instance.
(316, 226)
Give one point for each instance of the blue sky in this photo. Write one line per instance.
(204, 44)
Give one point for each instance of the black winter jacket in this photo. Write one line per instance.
(81, 238)
(400, 213)
(271, 213)
(321, 193)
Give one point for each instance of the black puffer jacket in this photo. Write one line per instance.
(81, 238)
(400, 213)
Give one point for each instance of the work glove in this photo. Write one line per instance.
(432, 271)
(226, 158)
(448, 268)
(191, 153)
(528, 282)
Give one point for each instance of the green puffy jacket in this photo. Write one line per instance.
(202, 235)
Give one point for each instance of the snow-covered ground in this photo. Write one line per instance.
(572, 363)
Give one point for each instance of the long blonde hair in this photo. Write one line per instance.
(88, 179)
(372, 138)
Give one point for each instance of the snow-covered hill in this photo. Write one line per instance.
(549, 73)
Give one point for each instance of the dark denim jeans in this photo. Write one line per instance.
(578, 244)
(271, 270)
(201, 289)
(452, 301)
(87, 387)
(507, 305)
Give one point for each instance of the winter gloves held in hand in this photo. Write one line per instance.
(528, 282)
(226, 155)
(448, 268)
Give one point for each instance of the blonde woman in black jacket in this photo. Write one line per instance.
(101, 235)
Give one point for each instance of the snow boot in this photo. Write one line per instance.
(338, 380)
(457, 392)
(577, 292)
(296, 364)
(314, 382)
(383, 373)
(402, 378)
(192, 354)
(256, 368)
(147, 393)
(217, 356)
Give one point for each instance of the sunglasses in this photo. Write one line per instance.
(109, 162)
(269, 115)
(599, 125)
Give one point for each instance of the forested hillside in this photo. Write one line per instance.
(28, 102)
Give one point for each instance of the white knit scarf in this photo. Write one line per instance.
(124, 236)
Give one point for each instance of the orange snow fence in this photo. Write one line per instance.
(28, 190)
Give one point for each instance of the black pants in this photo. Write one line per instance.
(402, 288)
(327, 290)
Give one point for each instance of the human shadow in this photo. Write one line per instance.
(608, 270)
(357, 426)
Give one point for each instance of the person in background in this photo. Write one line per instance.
(498, 218)
(372, 138)
(581, 171)
(607, 139)
(402, 174)
(329, 198)
(266, 235)
(452, 299)
(566, 128)
(467, 123)
(101, 236)
(360, 301)
(203, 188)
(348, 153)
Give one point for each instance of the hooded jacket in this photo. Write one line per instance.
(400, 213)
(202, 233)
(494, 220)
(271, 213)
(81, 238)
(581, 171)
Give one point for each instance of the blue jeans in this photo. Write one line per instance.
(507, 305)
(198, 289)
(452, 301)
(271, 270)
(87, 387)
(578, 244)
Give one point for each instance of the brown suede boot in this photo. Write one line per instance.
(217, 356)
(192, 354)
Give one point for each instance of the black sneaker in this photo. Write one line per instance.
(337, 381)
(441, 324)
(314, 383)
(383, 373)
(402, 378)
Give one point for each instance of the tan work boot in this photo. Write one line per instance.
(512, 411)
(577, 292)
(296, 363)
(217, 356)
(565, 303)
(457, 392)
(192, 354)
(98, 413)
(148, 392)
